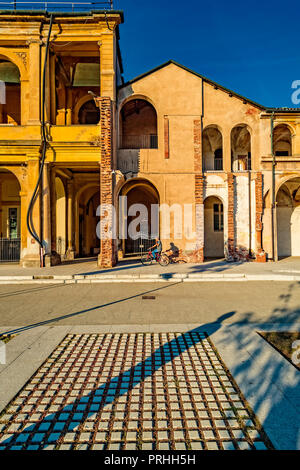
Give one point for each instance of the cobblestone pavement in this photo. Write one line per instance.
(132, 391)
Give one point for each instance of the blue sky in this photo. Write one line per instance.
(250, 47)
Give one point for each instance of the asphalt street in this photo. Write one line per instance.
(132, 303)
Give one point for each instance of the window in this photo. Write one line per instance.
(218, 218)
(13, 222)
(218, 164)
(282, 153)
(89, 113)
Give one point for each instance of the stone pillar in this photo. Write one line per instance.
(1, 209)
(230, 217)
(227, 151)
(198, 255)
(46, 215)
(69, 107)
(107, 65)
(71, 226)
(34, 81)
(108, 250)
(32, 256)
(47, 84)
(52, 88)
(53, 208)
(260, 254)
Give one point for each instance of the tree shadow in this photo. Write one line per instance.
(46, 425)
(269, 382)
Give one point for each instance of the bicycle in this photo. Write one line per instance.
(161, 258)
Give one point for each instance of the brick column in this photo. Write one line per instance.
(199, 191)
(230, 217)
(260, 254)
(167, 137)
(108, 253)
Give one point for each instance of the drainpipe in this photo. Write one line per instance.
(273, 202)
(43, 157)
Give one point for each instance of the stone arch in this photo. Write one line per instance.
(11, 92)
(61, 216)
(285, 179)
(138, 124)
(212, 144)
(10, 216)
(282, 139)
(87, 199)
(143, 192)
(81, 102)
(240, 137)
(136, 96)
(288, 217)
(17, 58)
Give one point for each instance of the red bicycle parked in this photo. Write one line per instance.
(161, 258)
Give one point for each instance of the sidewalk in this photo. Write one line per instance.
(198, 389)
(131, 270)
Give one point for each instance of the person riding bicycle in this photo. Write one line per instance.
(157, 248)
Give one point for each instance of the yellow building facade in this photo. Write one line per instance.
(223, 170)
(83, 63)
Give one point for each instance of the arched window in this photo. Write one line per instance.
(240, 148)
(10, 93)
(282, 141)
(212, 149)
(89, 113)
(138, 125)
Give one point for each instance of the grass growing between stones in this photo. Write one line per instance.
(284, 343)
(6, 338)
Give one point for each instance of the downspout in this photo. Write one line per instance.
(273, 187)
(43, 157)
(250, 215)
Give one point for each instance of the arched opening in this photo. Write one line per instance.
(138, 125)
(288, 218)
(10, 217)
(88, 202)
(10, 93)
(240, 148)
(139, 208)
(212, 149)
(282, 140)
(89, 113)
(61, 219)
(213, 228)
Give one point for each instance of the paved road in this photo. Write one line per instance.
(105, 304)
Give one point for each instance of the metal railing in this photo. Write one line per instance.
(218, 165)
(139, 246)
(139, 141)
(57, 6)
(9, 250)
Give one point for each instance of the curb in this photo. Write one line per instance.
(123, 278)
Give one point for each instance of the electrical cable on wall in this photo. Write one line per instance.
(43, 153)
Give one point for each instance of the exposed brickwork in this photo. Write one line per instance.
(167, 137)
(107, 257)
(198, 255)
(197, 146)
(230, 220)
(260, 254)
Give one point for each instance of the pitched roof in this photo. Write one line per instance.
(205, 79)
